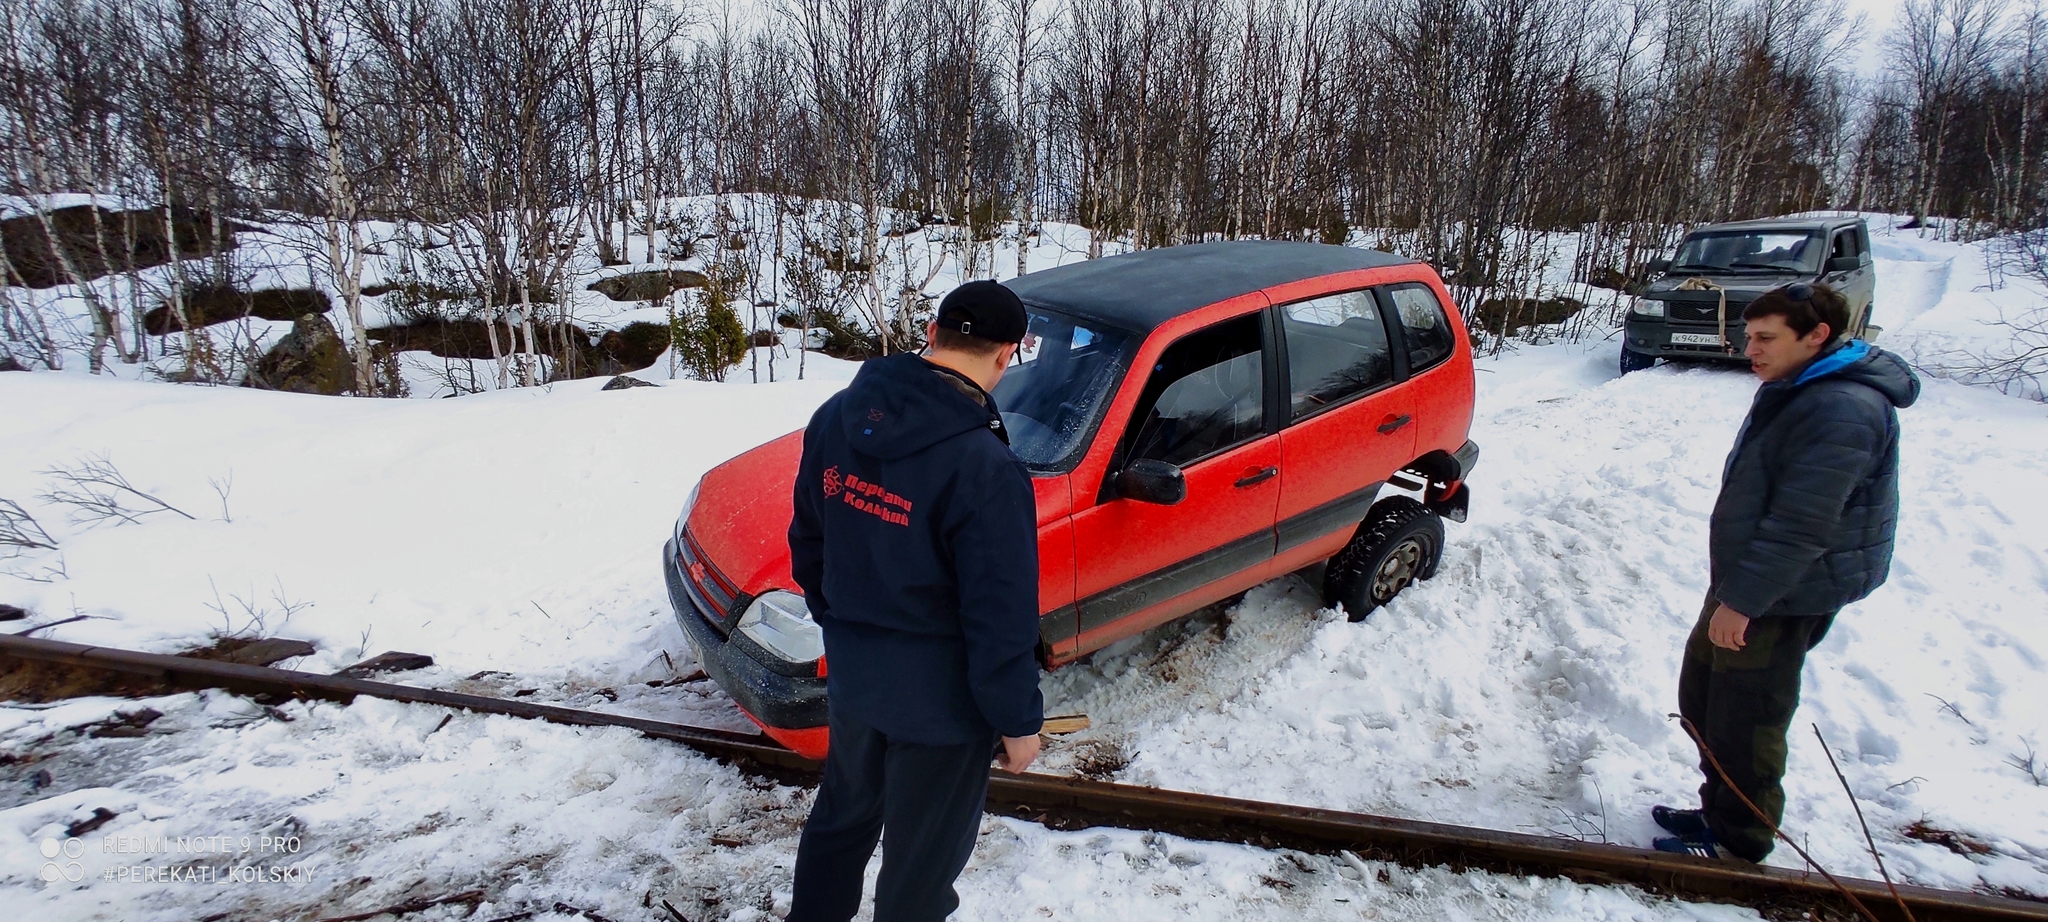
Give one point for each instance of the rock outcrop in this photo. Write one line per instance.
(308, 360)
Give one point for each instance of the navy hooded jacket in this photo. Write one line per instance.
(1809, 498)
(915, 543)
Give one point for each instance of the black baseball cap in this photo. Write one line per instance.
(985, 309)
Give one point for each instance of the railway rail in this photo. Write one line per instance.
(1076, 803)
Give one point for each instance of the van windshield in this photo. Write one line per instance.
(1750, 251)
(1063, 376)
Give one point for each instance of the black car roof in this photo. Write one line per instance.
(1141, 290)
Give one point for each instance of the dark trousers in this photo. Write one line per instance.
(1741, 702)
(927, 799)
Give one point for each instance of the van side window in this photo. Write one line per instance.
(1336, 349)
(1206, 393)
(1423, 325)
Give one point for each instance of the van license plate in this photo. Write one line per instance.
(1695, 339)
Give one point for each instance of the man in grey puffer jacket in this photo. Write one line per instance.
(1803, 526)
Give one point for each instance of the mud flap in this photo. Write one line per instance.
(1453, 503)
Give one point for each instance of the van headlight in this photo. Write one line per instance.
(1649, 307)
(780, 623)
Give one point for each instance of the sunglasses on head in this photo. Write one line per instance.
(1799, 291)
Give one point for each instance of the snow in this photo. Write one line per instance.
(1527, 686)
(389, 802)
(1945, 306)
(512, 535)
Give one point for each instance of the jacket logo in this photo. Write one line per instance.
(832, 483)
(874, 499)
(874, 416)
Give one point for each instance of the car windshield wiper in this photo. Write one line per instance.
(1696, 267)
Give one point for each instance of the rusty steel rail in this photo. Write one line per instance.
(1075, 803)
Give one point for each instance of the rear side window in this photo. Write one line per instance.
(1205, 394)
(1423, 326)
(1336, 349)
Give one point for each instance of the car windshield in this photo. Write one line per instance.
(1750, 251)
(1063, 375)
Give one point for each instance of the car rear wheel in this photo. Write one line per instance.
(1399, 544)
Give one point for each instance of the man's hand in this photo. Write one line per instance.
(1728, 628)
(1018, 753)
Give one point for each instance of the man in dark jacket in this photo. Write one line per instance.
(1803, 526)
(915, 542)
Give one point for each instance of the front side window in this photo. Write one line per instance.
(1336, 349)
(1423, 325)
(1845, 245)
(1205, 394)
(1065, 371)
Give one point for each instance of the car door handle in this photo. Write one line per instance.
(1260, 476)
(1397, 422)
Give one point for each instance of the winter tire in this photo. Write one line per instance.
(1635, 361)
(1399, 544)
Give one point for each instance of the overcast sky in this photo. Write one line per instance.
(1879, 15)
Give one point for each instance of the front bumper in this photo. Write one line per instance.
(789, 708)
(1652, 336)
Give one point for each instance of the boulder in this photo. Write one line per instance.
(648, 286)
(308, 360)
(100, 241)
(1516, 313)
(632, 347)
(219, 304)
(623, 382)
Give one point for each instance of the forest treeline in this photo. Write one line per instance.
(1452, 129)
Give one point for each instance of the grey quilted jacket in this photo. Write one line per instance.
(1810, 495)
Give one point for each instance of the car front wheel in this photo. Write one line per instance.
(1399, 544)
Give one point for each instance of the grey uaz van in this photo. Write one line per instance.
(1692, 308)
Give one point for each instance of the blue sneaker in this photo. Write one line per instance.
(1699, 846)
(1679, 822)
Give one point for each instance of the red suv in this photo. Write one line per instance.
(1196, 419)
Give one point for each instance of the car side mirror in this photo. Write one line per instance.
(1658, 265)
(1149, 481)
(1844, 264)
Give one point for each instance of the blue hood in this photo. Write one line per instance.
(1869, 366)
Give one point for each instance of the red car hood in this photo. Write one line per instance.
(741, 520)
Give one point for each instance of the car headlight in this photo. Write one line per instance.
(683, 519)
(780, 623)
(1649, 307)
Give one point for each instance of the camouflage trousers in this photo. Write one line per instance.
(1741, 701)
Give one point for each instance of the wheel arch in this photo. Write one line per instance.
(1436, 466)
